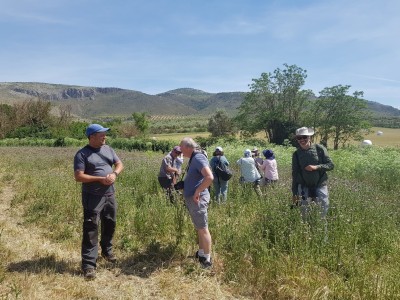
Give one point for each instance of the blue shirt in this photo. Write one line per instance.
(193, 176)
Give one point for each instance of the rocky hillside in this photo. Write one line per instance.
(91, 102)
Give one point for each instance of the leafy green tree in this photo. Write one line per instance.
(275, 104)
(340, 116)
(7, 115)
(220, 124)
(142, 122)
(32, 119)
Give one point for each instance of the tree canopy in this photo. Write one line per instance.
(275, 104)
(142, 122)
(220, 124)
(339, 116)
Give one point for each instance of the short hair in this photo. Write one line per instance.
(189, 142)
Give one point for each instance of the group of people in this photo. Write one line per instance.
(97, 167)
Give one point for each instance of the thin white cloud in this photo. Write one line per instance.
(159, 45)
(378, 78)
(32, 11)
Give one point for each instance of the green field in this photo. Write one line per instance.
(390, 136)
(262, 250)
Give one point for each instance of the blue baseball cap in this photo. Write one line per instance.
(93, 128)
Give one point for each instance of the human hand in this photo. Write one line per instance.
(110, 179)
(196, 198)
(311, 168)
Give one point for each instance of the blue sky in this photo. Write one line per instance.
(216, 46)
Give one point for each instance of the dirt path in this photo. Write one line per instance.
(37, 268)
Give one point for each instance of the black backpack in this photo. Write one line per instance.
(223, 171)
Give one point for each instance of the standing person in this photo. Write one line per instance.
(309, 179)
(197, 197)
(220, 186)
(269, 167)
(249, 172)
(93, 166)
(178, 163)
(169, 172)
(256, 155)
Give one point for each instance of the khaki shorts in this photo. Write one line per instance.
(198, 213)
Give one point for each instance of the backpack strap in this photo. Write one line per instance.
(190, 160)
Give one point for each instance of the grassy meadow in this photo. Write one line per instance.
(261, 247)
(390, 136)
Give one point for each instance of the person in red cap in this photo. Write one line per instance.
(93, 166)
(169, 172)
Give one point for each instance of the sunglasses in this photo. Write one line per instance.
(302, 137)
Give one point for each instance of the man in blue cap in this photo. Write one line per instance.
(93, 166)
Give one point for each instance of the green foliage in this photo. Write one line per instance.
(275, 103)
(178, 124)
(142, 122)
(26, 119)
(220, 124)
(386, 122)
(262, 249)
(339, 116)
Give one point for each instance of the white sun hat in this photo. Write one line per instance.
(305, 131)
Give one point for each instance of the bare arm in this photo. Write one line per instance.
(119, 167)
(208, 178)
(80, 176)
(170, 169)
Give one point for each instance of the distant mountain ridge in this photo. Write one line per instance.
(93, 102)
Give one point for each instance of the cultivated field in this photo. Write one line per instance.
(262, 250)
(390, 136)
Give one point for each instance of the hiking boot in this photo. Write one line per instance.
(203, 262)
(89, 274)
(110, 258)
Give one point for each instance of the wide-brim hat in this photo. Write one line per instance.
(94, 128)
(177, 149)
(269, 154)
(305, 131)
(218, 149)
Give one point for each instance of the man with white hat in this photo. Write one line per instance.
(309, 179)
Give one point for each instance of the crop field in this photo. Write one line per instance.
(389, 137)
(261, 247)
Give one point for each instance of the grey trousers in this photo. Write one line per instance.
(97, 209)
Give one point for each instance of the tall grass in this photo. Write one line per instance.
(262, 249)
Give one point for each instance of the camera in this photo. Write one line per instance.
(179, 185)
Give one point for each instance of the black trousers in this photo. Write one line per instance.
(97, 209)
